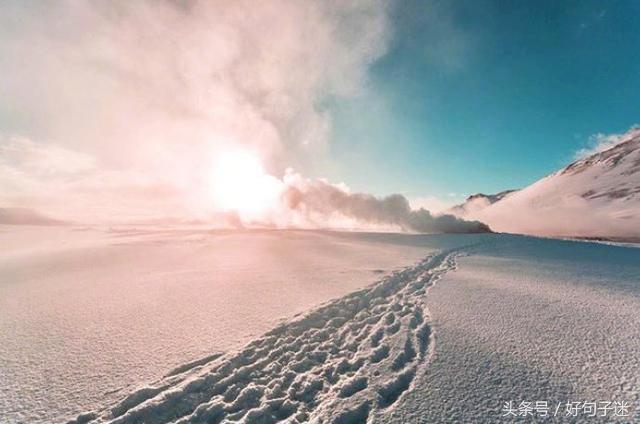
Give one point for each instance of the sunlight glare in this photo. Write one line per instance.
(240, 184)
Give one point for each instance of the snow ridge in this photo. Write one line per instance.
(342, 363)
(477, 202)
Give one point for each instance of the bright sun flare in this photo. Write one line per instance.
(240, 184)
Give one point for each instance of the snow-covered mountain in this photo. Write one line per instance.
(476, 202)
(597, 196)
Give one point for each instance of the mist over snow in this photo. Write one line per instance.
(126, 112)
(327, 202)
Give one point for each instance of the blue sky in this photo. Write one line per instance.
(482, 96)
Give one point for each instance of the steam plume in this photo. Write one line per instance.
(326, 200)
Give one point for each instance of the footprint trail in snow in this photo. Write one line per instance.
(338, 363)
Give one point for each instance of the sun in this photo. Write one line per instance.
(239, 183)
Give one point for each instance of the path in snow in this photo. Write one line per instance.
(87, 315)
(521, 319)
(339, 363)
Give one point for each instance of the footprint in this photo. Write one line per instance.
(353, 386)
(379, 354)
(391, 391)
(423, 334)
(407, 355)
(357, 415)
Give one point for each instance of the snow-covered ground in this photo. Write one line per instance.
(525, 320)
(474, 322)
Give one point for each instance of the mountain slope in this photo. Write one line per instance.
(476, 202)
(598, 196)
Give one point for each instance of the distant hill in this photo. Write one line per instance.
(477, 202)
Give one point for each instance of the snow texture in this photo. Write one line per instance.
(87, 315)
(526, 319)
(339, 363)
(512, 318)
